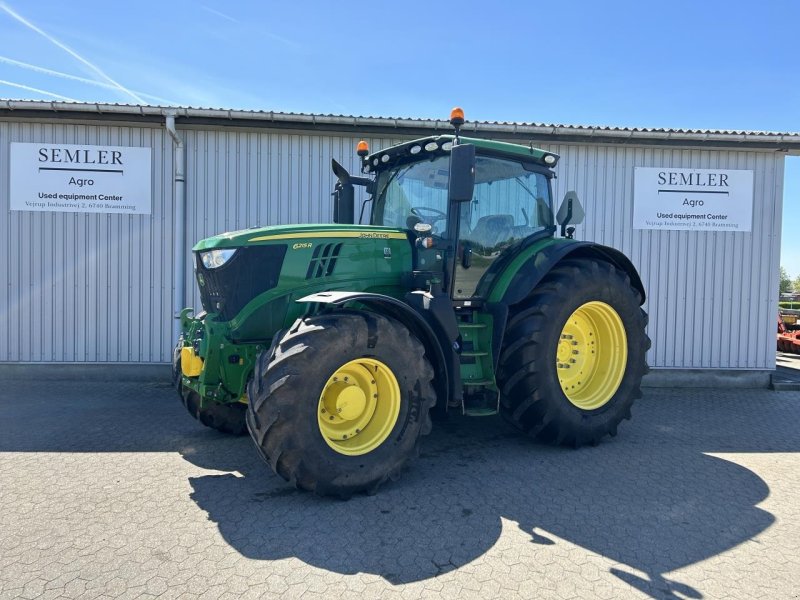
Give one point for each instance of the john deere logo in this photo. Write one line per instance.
(301, 245)
(200, 279)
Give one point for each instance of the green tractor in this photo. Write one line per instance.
(334, 344)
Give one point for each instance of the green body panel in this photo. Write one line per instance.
(229, 348)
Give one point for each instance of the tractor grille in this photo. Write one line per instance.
(323, 260)
(251, 271)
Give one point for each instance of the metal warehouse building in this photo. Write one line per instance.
(94, 284)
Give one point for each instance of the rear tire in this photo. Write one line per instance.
(549, 388)
(294, 392)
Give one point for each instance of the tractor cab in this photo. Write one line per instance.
(464, 202)
(506, 199)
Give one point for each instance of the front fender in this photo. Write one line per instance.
(411, 318)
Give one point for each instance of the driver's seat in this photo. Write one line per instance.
(492, 230)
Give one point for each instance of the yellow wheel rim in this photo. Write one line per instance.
(592, 355)
(359, 406)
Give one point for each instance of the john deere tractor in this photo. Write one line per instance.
(334, 344)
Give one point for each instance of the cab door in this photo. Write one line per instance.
(510, 201)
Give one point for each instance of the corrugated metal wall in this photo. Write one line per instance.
(97, 288)
(712, 296)
(86, 287)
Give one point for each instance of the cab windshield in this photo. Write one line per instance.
(417, 192)
(413, 193)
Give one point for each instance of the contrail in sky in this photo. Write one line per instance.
(219, 14)
(69, 51)
(37, 90)
(46, 71)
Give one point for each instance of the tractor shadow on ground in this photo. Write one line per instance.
(649, 499)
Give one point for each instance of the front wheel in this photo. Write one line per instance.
(340, 404)
(573, 355)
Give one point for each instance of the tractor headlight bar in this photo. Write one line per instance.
(213, 259)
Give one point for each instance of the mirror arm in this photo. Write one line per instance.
(363, 206)
(365, 181)
(566, 221)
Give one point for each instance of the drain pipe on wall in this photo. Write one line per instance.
(179, 234)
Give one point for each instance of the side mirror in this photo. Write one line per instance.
(571, 211)
(462, 173)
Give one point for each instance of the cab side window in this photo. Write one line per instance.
(509, 203)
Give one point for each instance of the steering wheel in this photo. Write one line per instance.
(433, 215)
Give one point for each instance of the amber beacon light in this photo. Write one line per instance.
(457, 117)
(362, 148)
(457, 120)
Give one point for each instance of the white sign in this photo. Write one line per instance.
(692, 199)
(69, 178)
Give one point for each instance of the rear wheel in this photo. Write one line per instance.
(573, 356)
(339, 405)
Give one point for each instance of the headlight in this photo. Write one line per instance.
(213, 259)
(550, 159)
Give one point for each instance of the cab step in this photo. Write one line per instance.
(472, 325)
(478, 382)
(479, 412)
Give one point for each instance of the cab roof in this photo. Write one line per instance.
(443, 143)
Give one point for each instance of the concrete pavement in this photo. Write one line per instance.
(113, 491)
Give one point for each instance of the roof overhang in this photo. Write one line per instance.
(536, 133)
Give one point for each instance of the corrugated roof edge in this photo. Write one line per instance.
(789, 140)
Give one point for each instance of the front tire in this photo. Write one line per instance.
(226, 418)
(573, 356)
(340, 404)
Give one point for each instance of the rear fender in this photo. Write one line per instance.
(540, 263)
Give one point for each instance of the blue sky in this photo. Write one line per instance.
(713, 64)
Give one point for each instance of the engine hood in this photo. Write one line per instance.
(298, 233)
